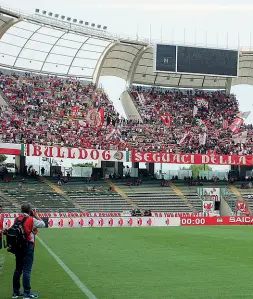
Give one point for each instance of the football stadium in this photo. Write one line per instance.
(154, 202)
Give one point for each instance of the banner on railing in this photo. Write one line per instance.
(208, 206)
(225, 220)
(68, 215)
(10, 149)
(179, 214)
(242, 207)
(122, 156)
(105, 222)
(74, 153)
(210, 194)
(212, 159)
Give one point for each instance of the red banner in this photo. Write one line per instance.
(74, 153)
(213, 159)
(166, 119)
(67, 215)
(226, 220)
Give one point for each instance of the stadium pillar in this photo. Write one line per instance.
(229, 85)
(118, 166)
(22, 164)
(136, 166)
(150, 168)
(17, 163)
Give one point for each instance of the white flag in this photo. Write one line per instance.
(240, 137)
(243, 115)
(195, 110)
(202, 138)
(115, 133)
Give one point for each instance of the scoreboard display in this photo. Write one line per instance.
(193, 60)
(166, 58)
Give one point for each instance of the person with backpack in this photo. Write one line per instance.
(21, 242)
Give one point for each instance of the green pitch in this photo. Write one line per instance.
(148, 263)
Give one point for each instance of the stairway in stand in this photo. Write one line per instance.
(122, 194)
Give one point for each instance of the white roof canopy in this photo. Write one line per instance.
(28, 44)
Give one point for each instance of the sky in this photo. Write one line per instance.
(216, 23)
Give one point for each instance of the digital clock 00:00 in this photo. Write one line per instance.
(193, 221)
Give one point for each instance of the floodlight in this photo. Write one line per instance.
(63, 17)
(80, 22)
(68, 19)
(50, 14)
(86, 23)
(99, 26)
(74, 20)
(56, 15)
(44, 12)
(105, 27)
(92, 25)
(37, 10)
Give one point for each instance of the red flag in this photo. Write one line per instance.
(202, 103)
(224, 124)
(75, 111)
(235, 126)
(96, 118)
(243, 115)
(102, 115)
(166, 119)
(242, 206)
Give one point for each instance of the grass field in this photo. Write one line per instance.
(136, 263)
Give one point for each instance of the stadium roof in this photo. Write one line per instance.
(45, 45)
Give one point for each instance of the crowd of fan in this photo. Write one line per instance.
(151, 103)
(40, 111)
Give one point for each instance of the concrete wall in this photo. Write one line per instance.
(225, 209)
(129, 107)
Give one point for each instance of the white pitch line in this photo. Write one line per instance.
(72, 275)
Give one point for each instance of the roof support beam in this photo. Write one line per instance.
(8, 25)
(49, 52)
(26, 44)
(101, 61)
(74, 57)
(131, 73)
(229, 84)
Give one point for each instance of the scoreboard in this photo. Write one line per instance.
(194, 60)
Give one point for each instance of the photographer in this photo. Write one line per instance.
(25, 256)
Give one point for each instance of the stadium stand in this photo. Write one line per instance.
(179, 104)
(94, 196)
(34, 192)
(150, 196)
(40, 110)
